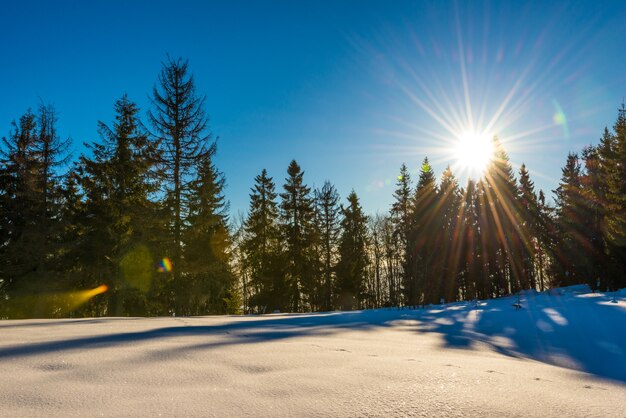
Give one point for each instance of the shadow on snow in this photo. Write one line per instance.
(582, 332)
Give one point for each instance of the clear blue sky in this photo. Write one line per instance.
(350, 89)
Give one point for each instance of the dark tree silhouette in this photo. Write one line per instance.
(181, 127)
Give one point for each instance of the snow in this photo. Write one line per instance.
(562, 354)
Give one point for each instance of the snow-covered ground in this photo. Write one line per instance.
(562, 354)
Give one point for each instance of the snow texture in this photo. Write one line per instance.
(562, 354)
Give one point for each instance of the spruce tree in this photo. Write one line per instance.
(422, 284)
(181, 128)
(471, 250)
(119, 218)
(401, 220)
(594, 212)
(613, 157)
(449, 260)
(328, 211)
(262, 248)
(297, 214)
(31, 197)
(209, 283)
(504, 224)
(529, 217)
(353, 261)
(568, 245)
(18, 206)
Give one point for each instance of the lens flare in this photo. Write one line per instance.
(137, 267)
(74, 300)
(47, 305)
(165, 266)
(559, 118)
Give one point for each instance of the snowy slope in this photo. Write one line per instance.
(562, 354)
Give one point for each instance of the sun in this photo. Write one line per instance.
(473, 152)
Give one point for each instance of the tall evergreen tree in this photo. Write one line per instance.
(181, 127)
(471, 250)
(209, 283)
(569, 242)
(262, 248)
(298, 224)
(31, 196)
(449, 260)
(119, 218)
(352, 264)
(328, 211)
(612, 154)
(529, 218)
(504, 224)
(18, 193)
(593, 213)
(422, 284)
(401, 220)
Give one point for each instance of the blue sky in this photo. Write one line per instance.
(350, 89)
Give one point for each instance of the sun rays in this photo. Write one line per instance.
(473, 85)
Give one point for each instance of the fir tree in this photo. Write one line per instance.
(401, 218)
(298, 224)
(181, 128)
(422, 284)
(613, 159)
(262, 248)
(352, 264)
(209, 283)
(569, 242)
(529, 217)
(31, 187)
(328, 211)
(504, 223)
(119, 218)
(449, 261)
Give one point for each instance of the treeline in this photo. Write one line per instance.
(304, 251)
(145, 215)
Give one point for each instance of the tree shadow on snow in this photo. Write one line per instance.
(565, 330)
(259, 329)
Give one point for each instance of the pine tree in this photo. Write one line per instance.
(31, 185)
(449, 216)
(401, 218)
(545, 228)
(262, 248)
(352, 264)
(529, 217)
(504, 224)
(593, 210)
(328, 211)
(18, 193)
(298, 224)
(471, 250)
(422, 284)
(568, 244)
(209, 283)
(119, 217)
(613, 159)
(181, 127)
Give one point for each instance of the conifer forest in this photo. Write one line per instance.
(140, 225)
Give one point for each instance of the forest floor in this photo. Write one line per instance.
(562, 354)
